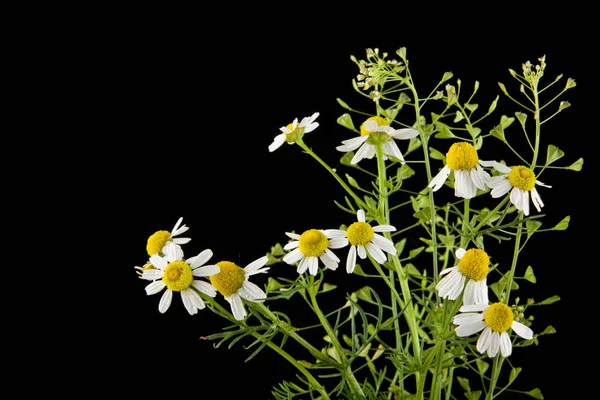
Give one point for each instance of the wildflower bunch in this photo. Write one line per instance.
(433, 233)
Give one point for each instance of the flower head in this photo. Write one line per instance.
(312, 245)
(176, 275)
(463, 161)
(365, 239)
(232, 282)
(473, 267)
(494, 320)
(376, 130)
(159, 239)
(294, 131)
(520, 181)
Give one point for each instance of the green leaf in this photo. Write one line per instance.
(444, 132)
(536, 394)
(415, 252)
(464, 383)
(436, 155)
(576, 166)
(346, 158)
(498, 132)
(273, 285)
(482, 366)
(506, 121)
(364, 293)
(473, 395)
(277, 250)
(359, 271)
(447, 75)
(550, 300)
(404, 172)
(493, 105)
(412, 270)
(345, 120)
(522, 117)
(471, 107)
(352, 181)
(459, 116)
(513, 374)
(327, 287)
(400, 246)
(553, 153)
(423, 215)
(529, 274)
(343, 104)
(564, 224)
(548, 331)
(473, 131)
(532, 226)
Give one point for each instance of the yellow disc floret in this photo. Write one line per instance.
(157, 241)
(499, 317)
(178, 276)
(313, 243)
(229, 280)
(462, 156)
(359, 233)
(380, 122)
(474, 264)
(522, 177)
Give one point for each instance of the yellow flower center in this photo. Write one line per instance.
(178, 276)
(522, 177)
(148, 266)
(313, 243)
(499, 317)
(462, 156)
(380, 121)
(359, 233)
(229, 280)
(474, 264)
(157, 241)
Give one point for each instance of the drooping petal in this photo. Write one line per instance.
(404, 133)
(352, 144)
(237, 307)
(536, 200)
(522, 330)
(205, 287)
(303, 265)
(165, 301)
(446, 270)
(256, 265)
(363, 152)
(200, 259)
(155, 287)
(251, 292)
(505, 345)
(362, 252)
(463, 185)
(479, 177)
(467, 318)
(494, 344)
(384, 244)
(376, 253)
(451, 285)
(192, 301)
(484, 341)
(293, 256)
(351, 260)
(158, 261)
(469, 329)
(440, 178)
(152, 274)
(313, 265)
(391, 149)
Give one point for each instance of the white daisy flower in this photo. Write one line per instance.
(473, 267)
(312, 245)
(176, 275)
(158, 240)
(494, 320)
(364, 239)
(519, 181)
(232, 282)
(469, 175)
(376, 130)
(294, 131)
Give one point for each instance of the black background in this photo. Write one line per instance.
(180, 108)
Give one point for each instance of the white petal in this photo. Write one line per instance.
(303, 265)
(522, 330)
(338, 243)
(256, 265)
(200, 259)
(158, 261)
(155, 287)
(293, 256)
(494, 344)
(172, 252)
(237, 307)
(328, 259)
(376, 253)
(505, 345)
(251, 292)
(536, 200)
(192, 301)
(501, 186)
(391, 149)
(362, 152)
(313, 265)
(516, 197)
(360, 215)
(165, 301)
(384, 228)
(463, 185)
(174, 230)
(446, 270)
(404, 133)
(181, 240)
(205, 287)
(352, 144)
(291, 245)
(334, 233)
(294, 236)
(484, 341)
(460, 253)
(469, 294)
(542, 184)
(371, 125)
(467, 318)
(384, 244)
(440, 178)
(469, 329)
(473, 308)
(207, 270)
(362, 252)
(351, 260)
(479, 177)
(152, 274)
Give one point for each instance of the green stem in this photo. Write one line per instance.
(358, 200)
(346, 371)
(311, 379)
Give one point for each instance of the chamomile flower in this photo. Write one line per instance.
(176, 275)
(493, 321)
(364, 238)
(232, 282)
(158, 240)
(294, 131)
(473, 267)
(376, 130)
(462, 159)
(312, 245)
(520, 181)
